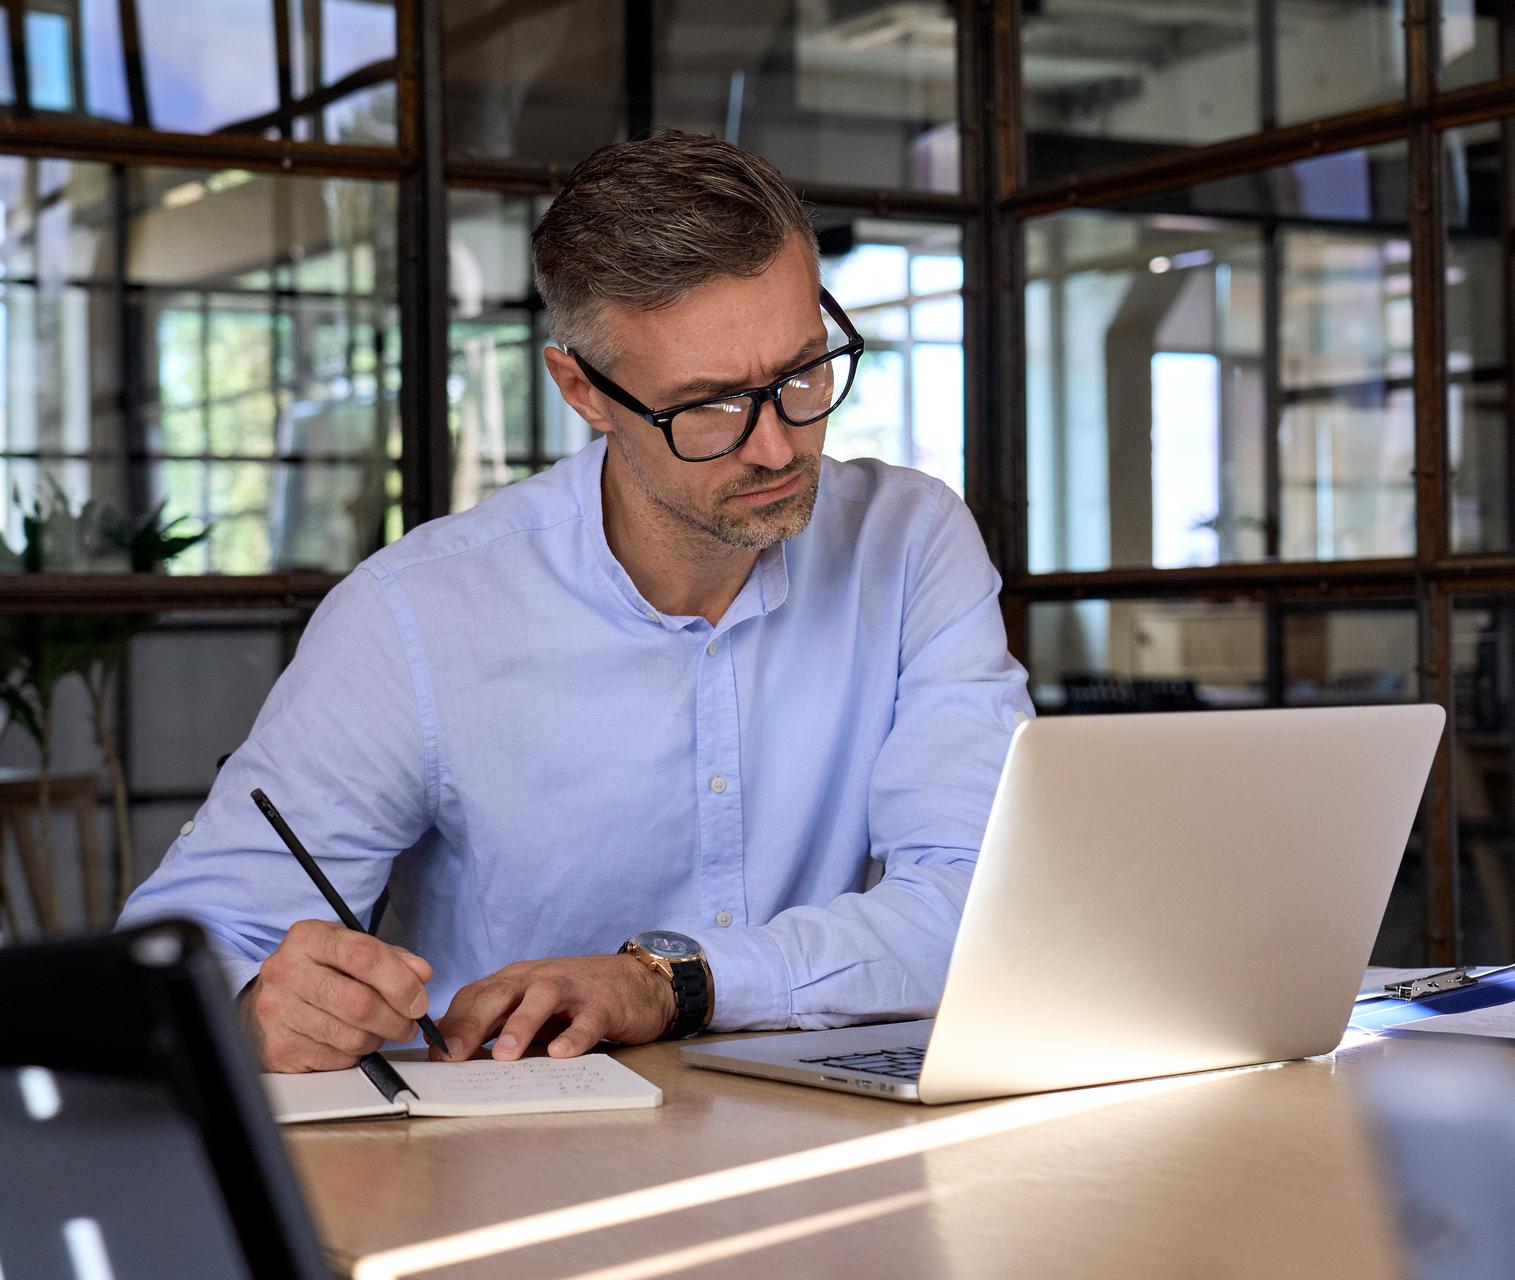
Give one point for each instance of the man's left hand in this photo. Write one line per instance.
(599, 997)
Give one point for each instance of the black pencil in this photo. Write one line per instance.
(344, 912)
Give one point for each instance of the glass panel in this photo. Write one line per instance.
(352, 55)
(1483, 763)
(862, 93)
(1478, 300)
(185, 695)
(1315, 80)
(506, 416)
(1146, 360)
(49, 71)
(205, 66)
(901, 285)
(259, 343)
(1347, 433)
(1112, 83)
(1470, 35)
(1349, 655)
(1145, 655)
(533, 83)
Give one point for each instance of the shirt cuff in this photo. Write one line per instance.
(237, 967)
(752, 989)
(239, 970)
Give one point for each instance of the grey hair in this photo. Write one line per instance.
(639, 224)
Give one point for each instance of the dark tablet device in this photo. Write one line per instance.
(135, 1140)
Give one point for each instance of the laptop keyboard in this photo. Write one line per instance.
(902, 1064)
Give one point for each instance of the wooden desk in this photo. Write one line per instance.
(1258, 1172)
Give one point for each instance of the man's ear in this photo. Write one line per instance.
(575, 389)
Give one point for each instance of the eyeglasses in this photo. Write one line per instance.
(704, 429)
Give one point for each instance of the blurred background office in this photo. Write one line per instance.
(1205, 306)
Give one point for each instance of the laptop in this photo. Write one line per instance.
(133, 1119)
(1155, 894)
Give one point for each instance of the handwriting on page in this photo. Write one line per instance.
(505, 1081)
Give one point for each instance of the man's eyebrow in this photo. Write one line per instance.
(702, 388)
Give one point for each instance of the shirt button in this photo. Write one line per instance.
(186, 828)
(723, 918)
(712, 648)
(652, 615)
(718, 784)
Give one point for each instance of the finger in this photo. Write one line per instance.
(299, 1038)
(418, 966)
(349, 1001)
(322, 1057)
(365, 958)
(540, 1001)
(316, 1024)
(300, 1053)
(584, 1032)
(476, 1013)
(289, 1034)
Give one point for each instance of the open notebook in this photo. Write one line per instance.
(480, 1087)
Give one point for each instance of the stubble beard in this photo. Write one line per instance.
(754, 529)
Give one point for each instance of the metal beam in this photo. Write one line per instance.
(158, 592)
(637, 62)
(1427, 224)
(131, 57)
(425, 453)
(111, 144)
(21, 79)
(284, 71)
(1460, 575)
(983, 408)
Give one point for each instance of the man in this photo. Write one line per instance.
(691, 679)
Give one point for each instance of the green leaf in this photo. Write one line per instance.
(20, 709)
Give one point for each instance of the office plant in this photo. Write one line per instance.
(40, 651)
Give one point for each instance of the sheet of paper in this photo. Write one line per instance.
(594, 1082)
(326, 1095)
(1497, 1020)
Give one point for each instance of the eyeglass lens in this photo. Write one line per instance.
(709, 429)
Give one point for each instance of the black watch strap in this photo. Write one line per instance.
(691, 1000)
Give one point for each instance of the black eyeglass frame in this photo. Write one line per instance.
(662, 419)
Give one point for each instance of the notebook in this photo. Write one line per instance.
(380, 1087)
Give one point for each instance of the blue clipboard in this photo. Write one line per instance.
(1386, 1013)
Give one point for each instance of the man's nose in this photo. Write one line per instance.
(770, 444)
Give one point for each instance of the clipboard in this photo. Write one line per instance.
(1436, 993)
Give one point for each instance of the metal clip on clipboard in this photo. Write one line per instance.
(1432, 984)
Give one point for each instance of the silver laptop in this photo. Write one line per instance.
(1155, 894)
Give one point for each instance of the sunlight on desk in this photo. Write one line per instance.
(1251, 1173)
(931, 1131)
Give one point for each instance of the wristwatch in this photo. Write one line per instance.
(680, 959)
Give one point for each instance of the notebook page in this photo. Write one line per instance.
(326, 1095)
(595, 1082)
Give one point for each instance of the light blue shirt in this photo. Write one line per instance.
(490, 717)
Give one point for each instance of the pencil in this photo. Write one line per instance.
(344, 912)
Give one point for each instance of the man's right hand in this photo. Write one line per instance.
(329, 995)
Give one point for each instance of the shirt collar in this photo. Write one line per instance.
(766, 588)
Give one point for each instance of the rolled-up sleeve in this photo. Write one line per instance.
(883, 954)
(342, 747)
